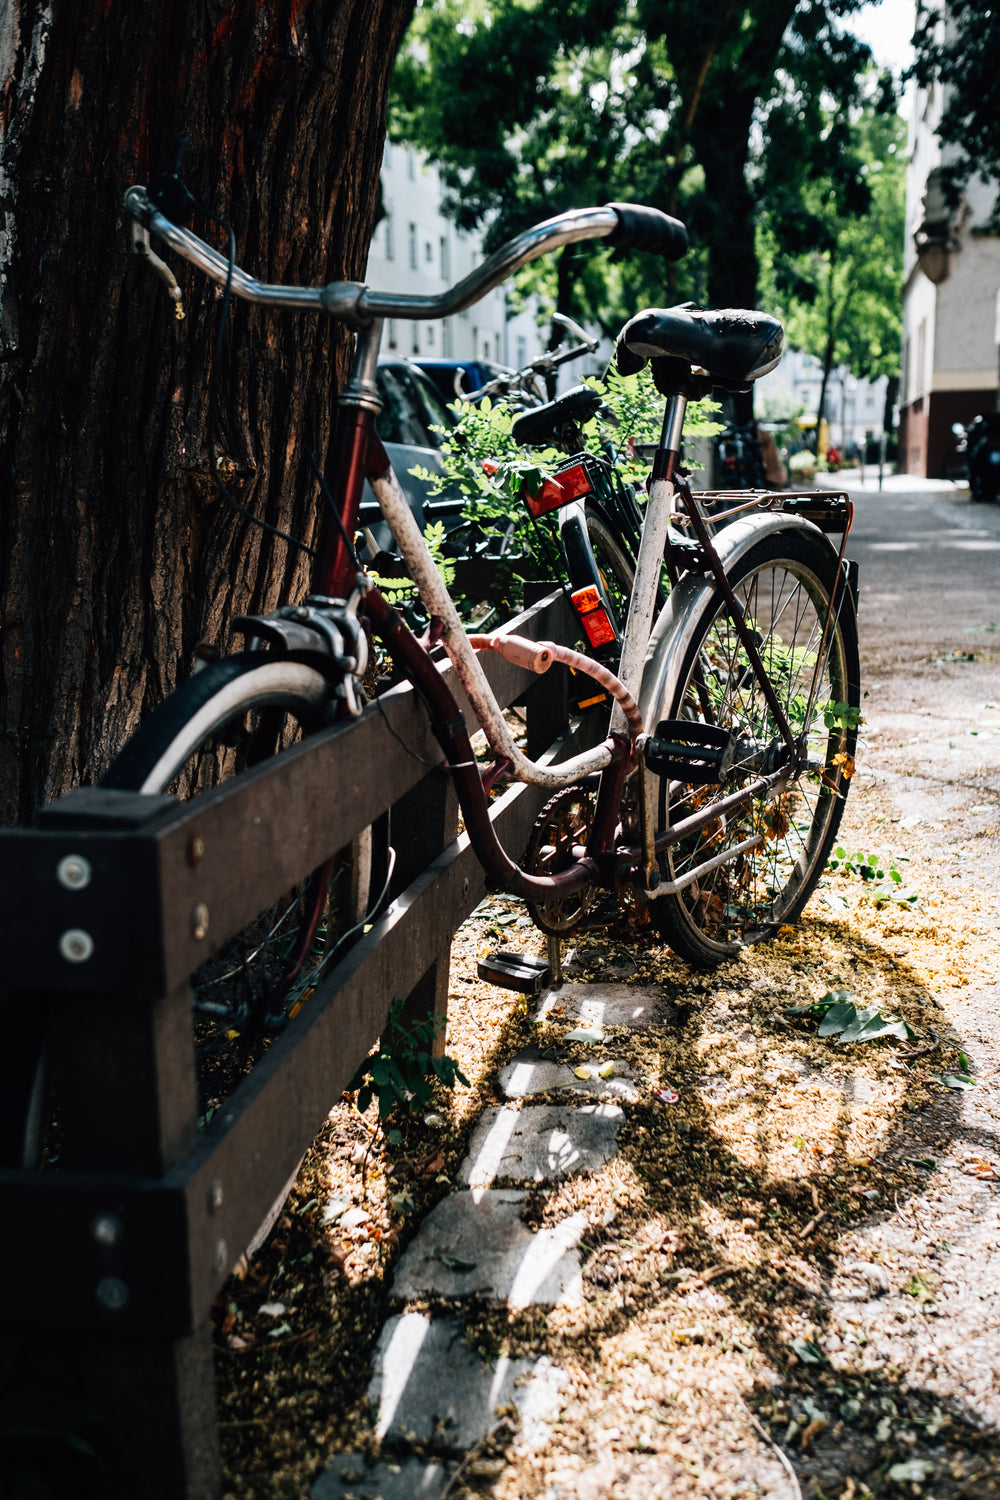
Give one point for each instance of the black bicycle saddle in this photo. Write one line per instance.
(541, 424)
(733, 345)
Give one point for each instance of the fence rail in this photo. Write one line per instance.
(117, 1255)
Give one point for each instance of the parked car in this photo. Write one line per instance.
(411, 409)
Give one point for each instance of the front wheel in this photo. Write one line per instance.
(783, 585)
(231, 715)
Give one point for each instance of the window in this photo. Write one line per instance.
(411, 166)
(444, 252)
(522, 351)
(428, 251)
(430, 335)
(415, 337)
(391, 333)
(412, 243)
(446, 339)
(390, 247)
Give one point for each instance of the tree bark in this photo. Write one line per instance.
(117, 554)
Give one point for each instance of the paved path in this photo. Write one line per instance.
(930, 620)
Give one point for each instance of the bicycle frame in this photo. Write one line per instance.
(358, 455)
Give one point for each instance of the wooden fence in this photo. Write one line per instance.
(109, 1263)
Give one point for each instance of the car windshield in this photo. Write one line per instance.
(410, 407)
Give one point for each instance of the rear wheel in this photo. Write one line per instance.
(784, 585)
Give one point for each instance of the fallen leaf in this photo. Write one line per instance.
(814, 1428)
(454, 1262)
(977, 1167)
(808, 1352)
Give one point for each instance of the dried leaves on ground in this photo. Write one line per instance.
(789, 1268)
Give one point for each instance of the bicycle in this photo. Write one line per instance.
(715, 796)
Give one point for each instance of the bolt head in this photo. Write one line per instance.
(196, 849)
(216, 1197)
(107, 1229)
(219, 1255)
(76, 945)
(199, 921)
(112, 1293)
(74, 872)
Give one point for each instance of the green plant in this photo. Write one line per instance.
(882, 875)
(480, 457)
(400, 587)
(402, 1073)
(841, 1017)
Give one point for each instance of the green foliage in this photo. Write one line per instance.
(400, 588)
(841, 715)
(882, 875)
(480, 457)
(963, 58)
(841, 1017)
(532, 108)
(837, 282)
(402, 1073)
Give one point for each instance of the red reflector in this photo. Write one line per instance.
(584, 600)
(568, 485)
(599, 629)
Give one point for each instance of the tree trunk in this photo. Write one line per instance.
(117, 555)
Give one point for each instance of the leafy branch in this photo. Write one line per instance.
(404, 1070)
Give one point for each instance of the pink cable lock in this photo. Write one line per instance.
(538, 656)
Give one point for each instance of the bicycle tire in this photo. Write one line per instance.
(784, 583)
(233, 714)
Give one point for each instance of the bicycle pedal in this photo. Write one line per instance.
(515, 971)
(684, 750)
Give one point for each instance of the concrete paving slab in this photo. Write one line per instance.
(540, 1143)
(530, 1073)
(474, 1244)
(429, 1384)
(350, 1477)
(604, 1005)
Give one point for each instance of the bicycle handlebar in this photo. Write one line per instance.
(623, 225)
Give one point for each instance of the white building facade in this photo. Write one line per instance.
(949, 369)
(415, 249)
(855, 409)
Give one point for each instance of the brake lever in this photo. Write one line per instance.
(142, 247)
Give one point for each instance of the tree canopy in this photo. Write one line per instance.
(838, 289)
(957, 46)
(530, 109)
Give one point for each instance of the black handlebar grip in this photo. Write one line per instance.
(642, 228)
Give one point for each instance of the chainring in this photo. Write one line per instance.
(562, 827)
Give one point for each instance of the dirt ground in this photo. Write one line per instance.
(792, 1270)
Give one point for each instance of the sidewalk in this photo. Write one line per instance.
(866, 480)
